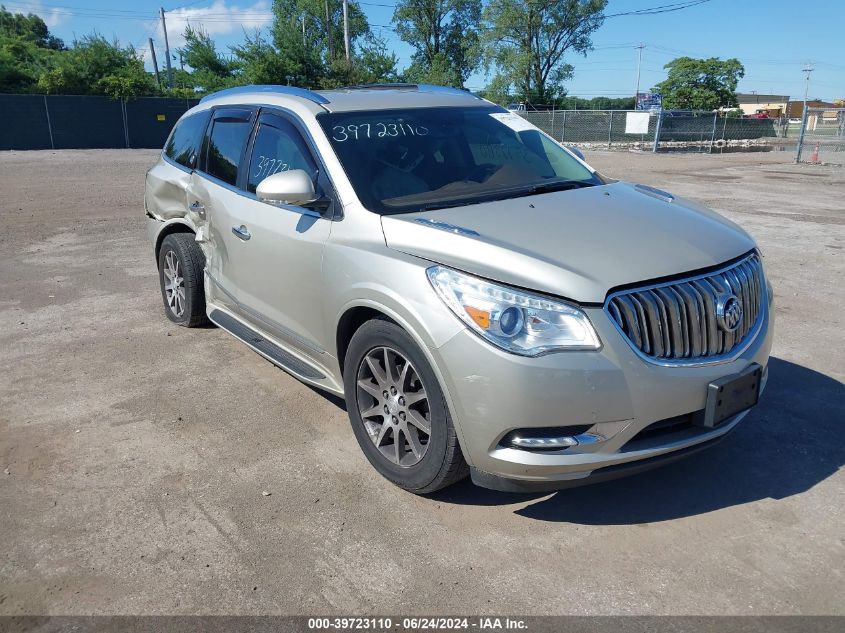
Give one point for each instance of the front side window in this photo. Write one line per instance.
(184, 143)
(226, 142)
(278, 147)
(401, 161)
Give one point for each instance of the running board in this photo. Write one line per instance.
(269, 350)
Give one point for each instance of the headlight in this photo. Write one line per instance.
(515, 320)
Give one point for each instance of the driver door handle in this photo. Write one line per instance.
(241, 232)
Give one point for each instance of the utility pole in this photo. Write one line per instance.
(346, 28)
(166, 50)
(639, 61)
(329, 30)
(807, 69)
(155, 62)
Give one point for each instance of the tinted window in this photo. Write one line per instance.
(278, 147)
(225, 146)
(423, 158)
(183, 146)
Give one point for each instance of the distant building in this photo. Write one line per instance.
(796, 108)
(752, 103)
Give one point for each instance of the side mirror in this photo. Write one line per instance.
(576, 151)
(286, 187)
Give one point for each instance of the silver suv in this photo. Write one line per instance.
(485, 301)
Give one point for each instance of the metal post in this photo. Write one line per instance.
(657, 131)
(804, 118)
(610, 129)
(639, 61)
(155, 61)
(166, 50)
(807, 69)
(346, 28)
(713, 132)
(329, 31)
(49, 124)
(563, 130)
(553, 121)
(125, 122)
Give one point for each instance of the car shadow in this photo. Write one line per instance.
(792, 441)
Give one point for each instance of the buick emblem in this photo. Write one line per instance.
(728, 312)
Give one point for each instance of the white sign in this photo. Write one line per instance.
(636, 122)
(513, 121)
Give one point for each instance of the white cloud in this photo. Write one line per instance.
(218, 18)
(52, 17)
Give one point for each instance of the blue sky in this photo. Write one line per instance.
(773, 38)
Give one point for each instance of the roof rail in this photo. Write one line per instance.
(396, 86)
(417, 87)
(446, 90)
(302, 93)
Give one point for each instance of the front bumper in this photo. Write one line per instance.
(612, 392)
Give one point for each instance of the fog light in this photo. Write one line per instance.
(544, 442)
(550, 438)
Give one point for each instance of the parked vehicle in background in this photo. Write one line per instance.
(485, 302)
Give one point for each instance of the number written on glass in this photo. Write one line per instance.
(267, 166)
(364, 131)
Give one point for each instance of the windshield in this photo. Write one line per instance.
(401, 161)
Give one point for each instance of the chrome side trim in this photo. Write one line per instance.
(654, 192)
(445, 226)
(275, 328)
(272, 352)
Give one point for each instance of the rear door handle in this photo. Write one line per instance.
(241, 232)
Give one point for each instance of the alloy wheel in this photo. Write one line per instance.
(393, 404)
(174, 285)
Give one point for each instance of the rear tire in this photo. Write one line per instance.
(398, 412)
(180, 272)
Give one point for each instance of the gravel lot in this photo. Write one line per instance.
(136, 452)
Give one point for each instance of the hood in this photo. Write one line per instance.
(576, 244)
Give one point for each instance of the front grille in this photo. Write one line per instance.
(678, 321)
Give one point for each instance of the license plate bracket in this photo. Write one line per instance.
(732, 394)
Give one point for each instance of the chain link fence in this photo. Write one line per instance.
(821, 138)
(85, 122)
(658, 130)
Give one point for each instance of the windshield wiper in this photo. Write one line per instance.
(558, 185)
(544, 187)
(446, 205)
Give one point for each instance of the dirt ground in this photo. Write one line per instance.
(136, 452)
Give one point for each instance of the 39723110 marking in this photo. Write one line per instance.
(350, 624)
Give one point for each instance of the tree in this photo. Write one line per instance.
(26, 50)
(211, 71)
(30, 28)
(526, 40)
(370, 64)
(308, 34)
(93, 65)
(445, 36)
(701, 84)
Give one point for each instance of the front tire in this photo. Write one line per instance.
(180, 271)
(398, 412)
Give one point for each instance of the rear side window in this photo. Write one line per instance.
(185, 141)
(226, 142)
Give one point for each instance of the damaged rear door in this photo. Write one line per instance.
(167, 194)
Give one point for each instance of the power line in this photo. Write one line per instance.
(666, 8)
